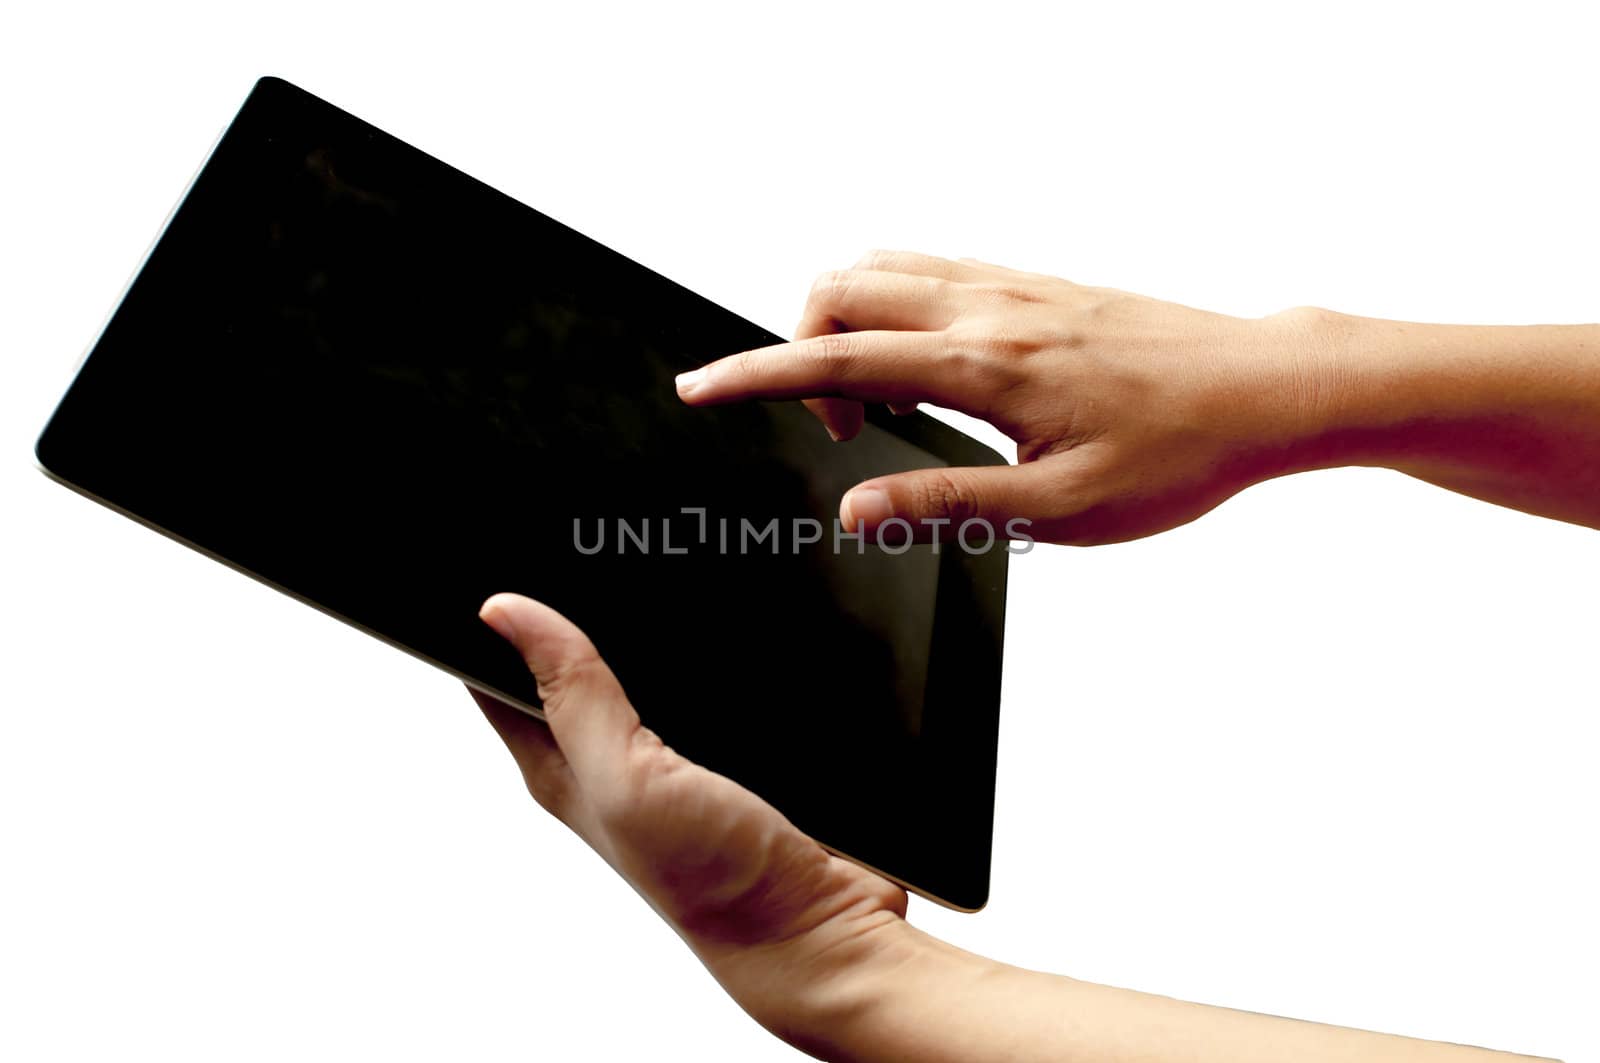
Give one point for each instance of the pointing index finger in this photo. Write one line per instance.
(870, 366)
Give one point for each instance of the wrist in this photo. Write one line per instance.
(839, 986)
(1369, 391)
(863, 998)
(1432, 399)
(1308, 384)
(1282, 396)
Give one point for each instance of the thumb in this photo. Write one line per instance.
(589, 715)
(935, 503)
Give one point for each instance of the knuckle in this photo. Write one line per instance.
(1069, 336)
(829, 288)
(990, 365)
(834, 352)
(961, 352)
(948, 495)
(1096, 304)
(981, 345)
(742, 366)
(1007, 292)
(566, 679)
(637, 785)
(878, 258)
(834, 345)
(1003, 346)
(647, 741)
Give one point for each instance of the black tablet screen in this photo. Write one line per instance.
(359, 374)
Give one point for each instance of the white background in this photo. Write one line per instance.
(1326, 753)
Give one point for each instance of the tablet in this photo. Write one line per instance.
(378, 385)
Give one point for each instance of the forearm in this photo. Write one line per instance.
(1509, 414)
(920, 998)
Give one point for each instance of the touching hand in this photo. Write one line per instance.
(1130, 415)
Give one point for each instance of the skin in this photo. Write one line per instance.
(1130, 416)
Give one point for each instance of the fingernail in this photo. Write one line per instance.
(869, 505)
(687, 382)
(835, 436)
(497, 620)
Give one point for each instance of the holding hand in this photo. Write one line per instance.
(813, 947)
(779, 921)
